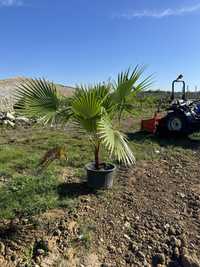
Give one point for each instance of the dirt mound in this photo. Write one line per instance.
(8, 87)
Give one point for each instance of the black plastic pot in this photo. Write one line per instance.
(102, 178)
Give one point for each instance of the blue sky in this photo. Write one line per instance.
(85, 41)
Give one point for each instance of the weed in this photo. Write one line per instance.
(28, 256)
(85, 235)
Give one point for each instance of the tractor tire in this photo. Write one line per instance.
(174, 124)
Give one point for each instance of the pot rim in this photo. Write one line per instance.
(89, 167)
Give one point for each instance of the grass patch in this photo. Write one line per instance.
(28, 195)
(25, 193)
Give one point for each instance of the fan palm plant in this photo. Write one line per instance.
(90, 108)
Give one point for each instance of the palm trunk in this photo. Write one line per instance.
(96, 154)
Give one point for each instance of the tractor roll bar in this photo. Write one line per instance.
(173, 90)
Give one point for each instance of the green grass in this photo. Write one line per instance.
(26, 193)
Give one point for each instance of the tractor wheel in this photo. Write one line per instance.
(175, 124)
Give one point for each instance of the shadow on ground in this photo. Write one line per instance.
(74, 190)
(186, 142)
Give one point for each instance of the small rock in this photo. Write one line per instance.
(127, 237)
(22, 119)
(9, 116)
(24, 221)
(7, 122)
(181, 195)
(40, 252)
(2, 248)
(166, 226)
(127, 225)
(120, 251)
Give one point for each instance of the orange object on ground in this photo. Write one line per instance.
(151, 125)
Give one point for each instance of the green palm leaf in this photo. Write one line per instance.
(129, 85)
(101, 92)
(86, 105)
(143, 85)
(87, 109)
(127, 82)
(38, 98)
(115, 142)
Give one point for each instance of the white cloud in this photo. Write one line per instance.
(10, 3)
(160, 14)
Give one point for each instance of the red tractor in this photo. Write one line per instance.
(182, 117)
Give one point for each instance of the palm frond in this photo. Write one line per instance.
(143, 85)
(115, 142)
(38, 98)
(87, 109)
(64, 112)
(128, 85)
(86, 104)
(127, 82)
(100, 91)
